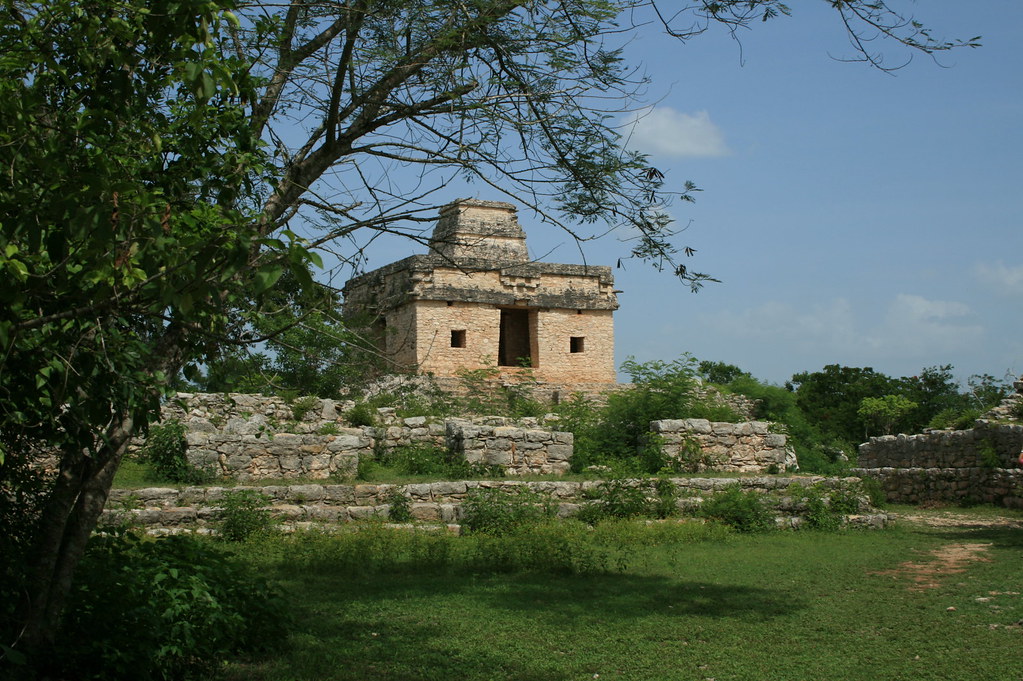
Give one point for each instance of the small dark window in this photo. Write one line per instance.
(458, 338)
(576, 343)
(451, 303)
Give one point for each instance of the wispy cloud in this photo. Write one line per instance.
(663, 131)
(1006, 278)
(908, 325)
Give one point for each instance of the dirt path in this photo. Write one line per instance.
(951, 559)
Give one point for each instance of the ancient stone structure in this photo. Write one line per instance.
(477, 301)
(980, 465)
(701, 445)
(197, 508)
(519, 451)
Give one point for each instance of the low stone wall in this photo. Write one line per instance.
(1001, 486)
(981, 465)
(284, 455)
(736, 447)
(518, 451)
(240, 412)
(990, 445)
(198, 507)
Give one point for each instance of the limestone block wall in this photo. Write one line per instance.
(519, 451)
(593, 359)
(282, 455)
(981, 465)
(198, 507)
(240, 437)
(993, 446)
(736, 447)
(247, 414)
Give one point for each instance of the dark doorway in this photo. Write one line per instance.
(513, 349)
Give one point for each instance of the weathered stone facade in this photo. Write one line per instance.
(252, 437)
(518, 451)
(477, 301)
(981, 465)
(734, 447)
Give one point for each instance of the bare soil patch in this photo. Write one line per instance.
(950, 559)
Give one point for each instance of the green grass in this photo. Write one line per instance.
(692, 603)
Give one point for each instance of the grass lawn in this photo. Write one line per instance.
(690, 604)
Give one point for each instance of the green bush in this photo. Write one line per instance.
(426, 459)
(743, 510)
(399, 508)
(243, 514)
(499, 512)
(618, 434)
(875, 492)
(302, 406)
(362, 414)
(817, 513)
(616, 499)
(165, 450)
(955, 419)
(166, 609)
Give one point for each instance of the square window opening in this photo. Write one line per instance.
(458, 338)
(576, 343)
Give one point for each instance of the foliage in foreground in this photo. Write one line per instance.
(618, 435)
(166, 609)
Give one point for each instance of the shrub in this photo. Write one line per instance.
(744, 511)
(616, 499)
(816, 512)
(426, 459)
(875, 492)
(243, 514)
(399, 508)
(499, 512)
(954, 419)
(166, 450)
(362, 414)
(165, 609)
(302, 406)
(618, 435)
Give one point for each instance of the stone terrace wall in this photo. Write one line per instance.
(735, 447)
(238, 437)
(981, 465)
(519, 451)
(197, 507)
(283, 455)
(946, 449)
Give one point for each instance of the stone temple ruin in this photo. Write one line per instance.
(478, 301)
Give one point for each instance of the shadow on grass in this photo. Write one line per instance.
(519, 626)
(999, 536)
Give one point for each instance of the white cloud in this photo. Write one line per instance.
(663, 131)
(1006, 278)
(907, 327)
(916, 325)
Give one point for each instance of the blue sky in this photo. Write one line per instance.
(853, 217)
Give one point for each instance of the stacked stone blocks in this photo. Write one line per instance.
(981, 465)
(733, 447)
(518, 451)
(198, 507)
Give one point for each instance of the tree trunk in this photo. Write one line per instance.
(67, 521)
(73, 507)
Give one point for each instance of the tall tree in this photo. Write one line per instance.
(159, 156)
